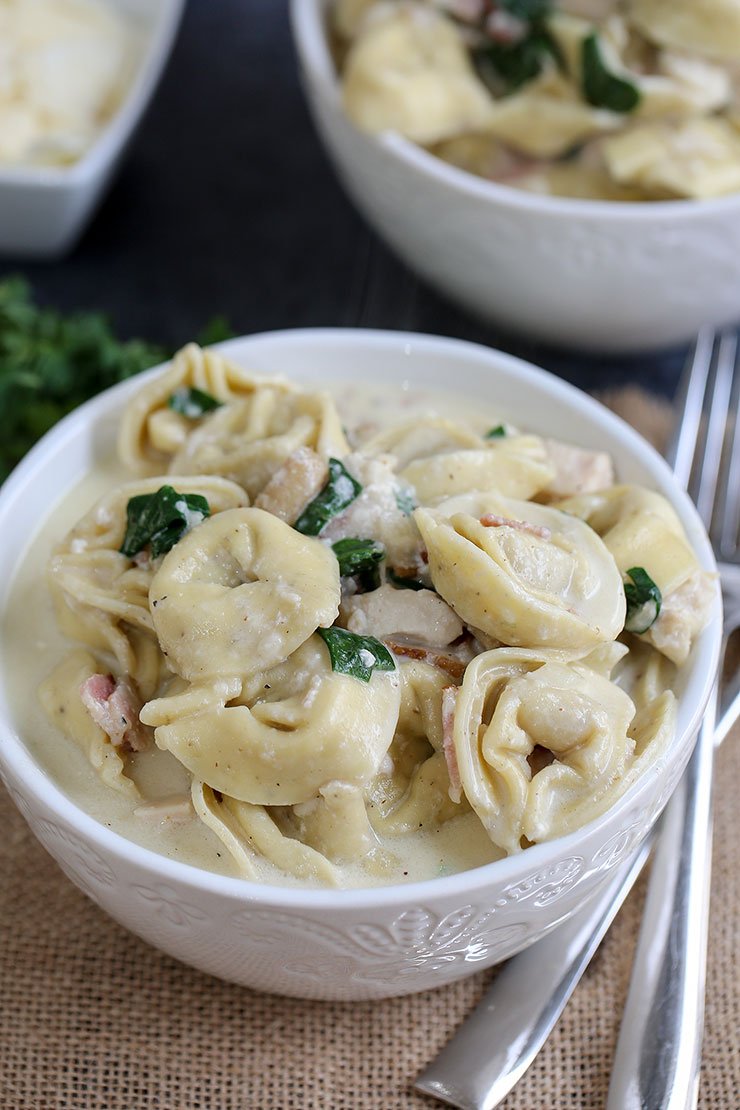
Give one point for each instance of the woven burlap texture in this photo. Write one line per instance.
(91, 1017)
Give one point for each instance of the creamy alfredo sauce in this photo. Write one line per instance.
(38, 645)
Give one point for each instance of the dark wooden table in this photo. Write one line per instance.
(227, 205)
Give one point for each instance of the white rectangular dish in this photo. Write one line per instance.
(44, 209)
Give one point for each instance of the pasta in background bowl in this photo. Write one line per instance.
(373, 941)
(599, 274)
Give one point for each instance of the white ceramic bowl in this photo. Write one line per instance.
(354, 943)
(44, 209)
(586, 274)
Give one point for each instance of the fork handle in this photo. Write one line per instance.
(659, 1049)
(498, 1042)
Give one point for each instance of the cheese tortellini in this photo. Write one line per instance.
(544, 743)
(395, 651)
(206, 593)
(525, 574)
(629, 102)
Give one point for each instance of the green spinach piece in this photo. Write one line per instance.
(404, 582)
(340, 491)
(360, 559)
(158, 520)
(357, 656)
(496, 433)
(644, 601)
(192, 403)
(405, 500)
(601, 87)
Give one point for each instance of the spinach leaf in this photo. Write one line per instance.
(160, 519)
(404, 582)
(192, 402)
(527, 10)
(340, 491)
(496, 433)
(360, 559)
(516, 63)
(405, 500)
(601, 87)
(644, 601)
(357, 656)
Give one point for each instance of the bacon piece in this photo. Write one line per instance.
(114, 705)
(455, 668)
(449, 702)
(491, 520)
(501, 26)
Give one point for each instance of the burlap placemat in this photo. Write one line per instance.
(91, 1017)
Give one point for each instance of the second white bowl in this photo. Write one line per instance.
(592, 275)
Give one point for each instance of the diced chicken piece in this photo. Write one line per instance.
(683, 615)
(375, 514)
(577, 470)
(300, 478)
(449, 702)
(173, 809)
(114, 705)
(417, 614)
(453, 665)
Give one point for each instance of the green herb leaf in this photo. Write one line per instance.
(496, 433)
(405, 500)
(360, 559)
(340, 491)
(403, 582)
(527, 10)
(601, 87)
(51, 363)
(512, 65)
(355, 655)
(644, 601)
(158, 520)
(192, 402)
(216, 330)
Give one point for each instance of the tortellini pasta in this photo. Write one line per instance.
(597, 100)
(302, 727)
(514, 703)
(640, 528)
(101, 595)
(409, 72)
(525, 574)
(253, 426)
(353, 666)
(240, 593)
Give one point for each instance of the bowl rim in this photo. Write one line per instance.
(309, 34)
(157, 41)
(21, 764)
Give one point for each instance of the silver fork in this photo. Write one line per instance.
(500, 1040)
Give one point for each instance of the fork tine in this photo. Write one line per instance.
(718, 404)
(689, 404)
(729, 502)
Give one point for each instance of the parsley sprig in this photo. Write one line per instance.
(50, 363)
